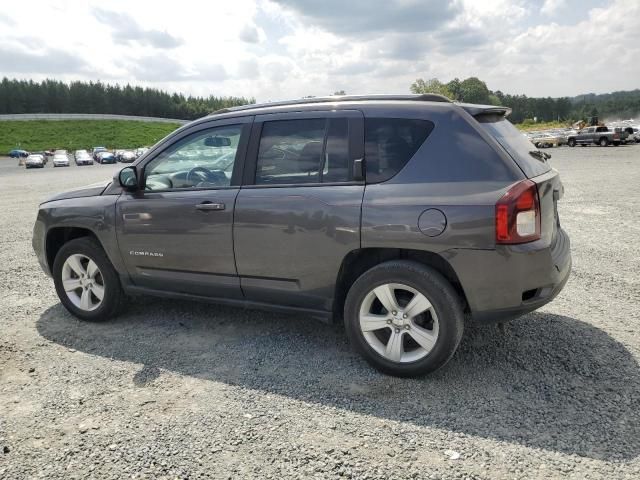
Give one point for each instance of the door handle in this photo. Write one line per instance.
(210, 206)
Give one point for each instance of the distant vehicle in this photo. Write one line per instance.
(59, 152)
(80, 152)
(96, 150)
(83, 158)
(42, 154)
(547, 140)
(34, 161)
(60, 159)
(141, 151)
(594, 136)
(106, 157)
(18, 153)
(622, 131)
(127, 156)
(636, 135)
(118, 154)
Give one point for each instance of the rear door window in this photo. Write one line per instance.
(304, 151)
(390, 143)
(517, 145)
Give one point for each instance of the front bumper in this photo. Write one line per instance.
(512, 280)
(38, 242)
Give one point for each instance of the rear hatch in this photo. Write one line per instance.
(531, 161)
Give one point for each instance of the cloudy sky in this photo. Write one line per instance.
(275, 49)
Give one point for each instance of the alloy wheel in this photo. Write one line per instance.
(83, 282)
(399, 322)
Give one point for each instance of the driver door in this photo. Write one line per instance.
(176, 233)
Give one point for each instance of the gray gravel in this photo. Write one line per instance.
(184, 390)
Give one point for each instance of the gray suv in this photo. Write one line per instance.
(401, 215)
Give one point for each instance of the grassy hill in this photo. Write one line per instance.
(77, 134)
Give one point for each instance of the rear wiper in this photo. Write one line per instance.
(542, 156)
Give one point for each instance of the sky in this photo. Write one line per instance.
(283, 49)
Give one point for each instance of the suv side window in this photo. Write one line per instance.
(203, 159)
(390, 143)
(303, 151)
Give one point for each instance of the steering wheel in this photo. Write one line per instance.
(202, 174)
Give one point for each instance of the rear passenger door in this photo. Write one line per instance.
(298, 211)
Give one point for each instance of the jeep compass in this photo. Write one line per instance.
(404, 216)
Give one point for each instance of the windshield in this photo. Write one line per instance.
(517, 145)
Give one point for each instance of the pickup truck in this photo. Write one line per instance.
(594, 136)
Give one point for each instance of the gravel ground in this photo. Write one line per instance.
(184, 390)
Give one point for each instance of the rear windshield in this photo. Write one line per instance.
(515, 143)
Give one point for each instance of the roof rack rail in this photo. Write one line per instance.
(420, 97)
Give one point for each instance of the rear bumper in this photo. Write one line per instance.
(512, 280)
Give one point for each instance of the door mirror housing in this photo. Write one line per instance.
(128, 178)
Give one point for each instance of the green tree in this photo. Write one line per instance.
(432, 85)
(474, 90)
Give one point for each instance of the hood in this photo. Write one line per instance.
(92, 190)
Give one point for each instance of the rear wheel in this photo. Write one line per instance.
(571, 142)
(404, 318)
(604, 142)
(86, 282)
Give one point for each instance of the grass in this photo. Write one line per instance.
(528, 125)
(35, 135)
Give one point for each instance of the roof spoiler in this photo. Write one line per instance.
(477, 110)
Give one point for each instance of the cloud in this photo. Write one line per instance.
(162, 68)
(51, 61)
(551, 7)
(6, 19)
(249, 34)
(125, 29)
(356, 18)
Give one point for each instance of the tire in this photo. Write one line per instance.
(442, 331)
(571, 142)
(106, 278)
(603, 142)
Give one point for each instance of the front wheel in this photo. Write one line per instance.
(604, 142)
(571, 142)
(404, 318)
(86, 282)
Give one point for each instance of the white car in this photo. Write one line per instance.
(34, 161)
(83, 158)
(127, 156)
(60, 159)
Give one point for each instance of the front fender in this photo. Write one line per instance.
(95, 214)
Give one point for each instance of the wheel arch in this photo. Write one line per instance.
(356, 262)
(57, 236)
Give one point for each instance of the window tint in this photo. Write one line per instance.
(515, 143)
(390, 143)
(201, 160)
(303, 151)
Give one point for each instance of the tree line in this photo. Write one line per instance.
(616, 105)
(52, 96)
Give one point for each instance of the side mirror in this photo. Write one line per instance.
(128, 178)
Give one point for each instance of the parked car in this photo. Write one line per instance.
(622, 133)
(82, 157)
(594, 136)
(16, 153)
(399, 215)
(96, 150)
(127, 156)
(60, 159)
(106, 157)
(547, 140)
(42, 154)
(34, 161)
(141, 151)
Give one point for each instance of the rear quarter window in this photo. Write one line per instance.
(390, 143)
(515, 143)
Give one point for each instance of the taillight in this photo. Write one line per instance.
(518, 214)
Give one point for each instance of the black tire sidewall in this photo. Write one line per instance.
(112, 289)
(439, 292)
